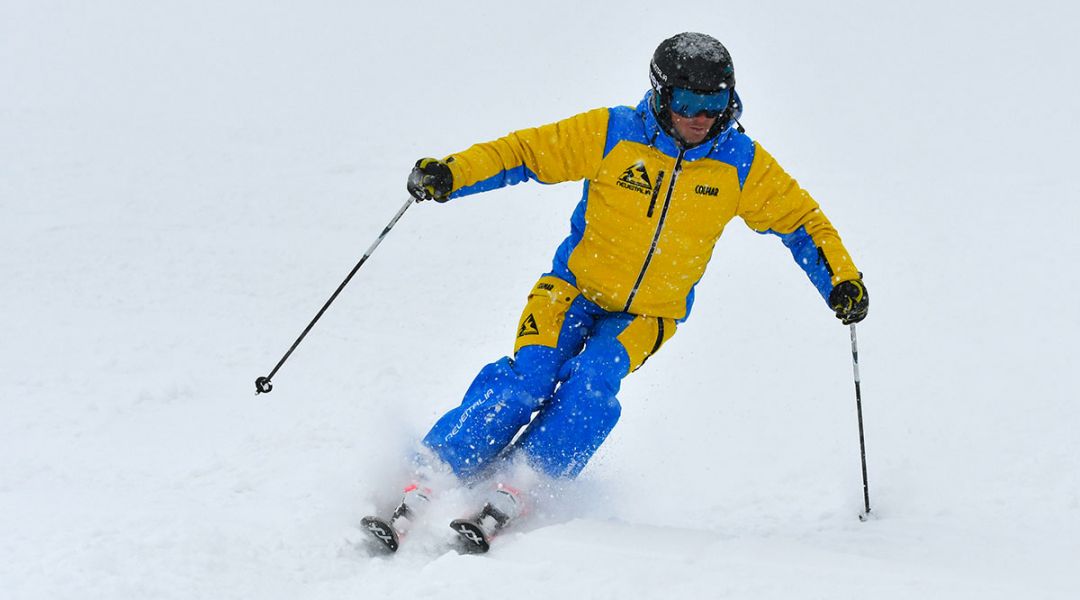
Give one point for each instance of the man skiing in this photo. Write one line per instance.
(662, 180)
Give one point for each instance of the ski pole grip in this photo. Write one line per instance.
(263, 386)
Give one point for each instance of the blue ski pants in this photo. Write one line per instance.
(569, 360)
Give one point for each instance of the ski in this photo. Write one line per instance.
(471, 534)
(476, 533)
(387, 533)
(382, 531)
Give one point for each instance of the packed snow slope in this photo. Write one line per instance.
(182, 185)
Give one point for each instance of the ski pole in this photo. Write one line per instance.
(862, 438)
(262, 384)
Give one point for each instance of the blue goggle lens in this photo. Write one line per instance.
(689, 103)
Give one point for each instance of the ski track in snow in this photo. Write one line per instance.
(182, 185)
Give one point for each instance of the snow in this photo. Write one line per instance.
(182, 185)
(694, 45)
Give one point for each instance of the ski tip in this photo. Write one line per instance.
(471, 535)
(381, 532)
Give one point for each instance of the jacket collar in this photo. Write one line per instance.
(659, 139)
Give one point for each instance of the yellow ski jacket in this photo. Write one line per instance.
(651, 211)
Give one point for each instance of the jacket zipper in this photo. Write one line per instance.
(659, 228)
(655, 193)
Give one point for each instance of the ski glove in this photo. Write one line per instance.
(850, 300)
(431, 179)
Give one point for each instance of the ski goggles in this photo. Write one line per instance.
(689, 103)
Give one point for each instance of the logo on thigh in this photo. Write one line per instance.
(528, 326)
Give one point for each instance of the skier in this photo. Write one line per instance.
(661, 182)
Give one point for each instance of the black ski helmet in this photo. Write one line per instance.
(695, 61)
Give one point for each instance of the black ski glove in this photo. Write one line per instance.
(431, 179)
(850, 300)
